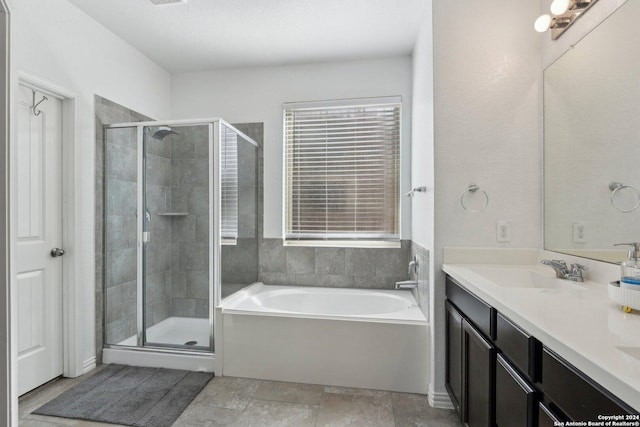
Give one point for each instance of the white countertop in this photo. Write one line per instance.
(577, 321)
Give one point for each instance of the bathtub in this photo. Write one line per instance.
(377, 339)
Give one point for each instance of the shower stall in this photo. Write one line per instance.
(180, 233)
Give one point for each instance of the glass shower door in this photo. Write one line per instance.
(176, 282)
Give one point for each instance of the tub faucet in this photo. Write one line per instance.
(413, 265)
(407, 284)
(563, 272)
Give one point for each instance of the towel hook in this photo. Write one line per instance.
(473, 188)
(34, 105)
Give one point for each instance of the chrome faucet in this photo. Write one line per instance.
(559, 266)
(563, 272)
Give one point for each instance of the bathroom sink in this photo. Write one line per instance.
(517, 276)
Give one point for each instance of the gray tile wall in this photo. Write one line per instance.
(115, 213)
(377, 268)
(189, 180)
(158, 249)
(422, 292)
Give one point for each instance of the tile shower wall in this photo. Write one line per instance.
(158, 251)
(189, 193)
(115, 255)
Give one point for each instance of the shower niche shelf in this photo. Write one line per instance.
(173, 214)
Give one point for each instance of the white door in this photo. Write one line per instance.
(39, 222)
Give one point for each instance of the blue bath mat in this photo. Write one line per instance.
(129, 395)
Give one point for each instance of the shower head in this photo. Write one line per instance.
(163, 131)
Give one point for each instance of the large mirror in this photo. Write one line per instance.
(592, 141)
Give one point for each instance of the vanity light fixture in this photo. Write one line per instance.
(564, 12)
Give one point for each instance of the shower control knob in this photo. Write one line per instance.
(55, 252)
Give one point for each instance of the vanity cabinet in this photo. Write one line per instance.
(497, 374)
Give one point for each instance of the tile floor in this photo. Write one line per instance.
(229, 401)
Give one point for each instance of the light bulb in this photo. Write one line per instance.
(542, 23)
(560, 7)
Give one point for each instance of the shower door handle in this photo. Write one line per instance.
(56, 252)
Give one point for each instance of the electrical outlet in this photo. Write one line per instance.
(580, 231)
(503, 231)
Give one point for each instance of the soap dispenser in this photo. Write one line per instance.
(630, 269)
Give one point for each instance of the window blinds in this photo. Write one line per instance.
(342, 170)
(229, 184)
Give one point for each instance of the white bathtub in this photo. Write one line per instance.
(363, 338)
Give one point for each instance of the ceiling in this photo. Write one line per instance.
(212, 34)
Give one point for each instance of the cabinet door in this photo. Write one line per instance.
(546, 417)
(454, 356)
(479, 364)
(515, 398)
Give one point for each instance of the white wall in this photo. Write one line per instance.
(257, 95)
(487, 105)
(56, 43)
(422, 165)
(422, 173)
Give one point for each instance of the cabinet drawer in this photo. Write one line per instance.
(574, 393)
(520, 347)
(478, 312)
(516, 399)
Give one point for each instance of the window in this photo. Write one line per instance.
(229, 186)
(342, 170)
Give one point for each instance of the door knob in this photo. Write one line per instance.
(57, 252)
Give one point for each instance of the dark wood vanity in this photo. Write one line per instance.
(497, 374)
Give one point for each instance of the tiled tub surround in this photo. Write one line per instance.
(576, 321)
(421, 293)
(334, 267)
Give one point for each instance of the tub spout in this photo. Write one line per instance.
(407, 284)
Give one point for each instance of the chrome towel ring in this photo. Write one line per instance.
(617, 186)
(472, 189)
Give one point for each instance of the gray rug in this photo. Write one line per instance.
(129, 395)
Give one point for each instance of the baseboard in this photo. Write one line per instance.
(89, 365)
(440, 400)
